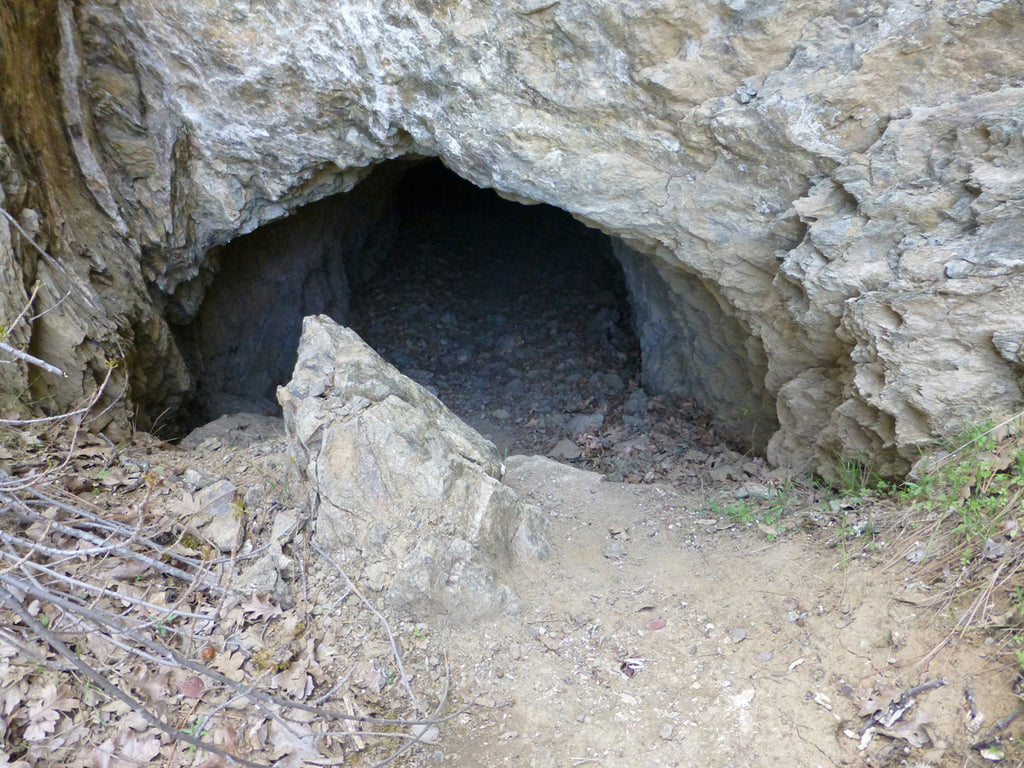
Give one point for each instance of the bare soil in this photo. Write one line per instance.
(704, 644)
(660, 631)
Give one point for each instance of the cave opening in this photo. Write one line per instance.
(516, 316)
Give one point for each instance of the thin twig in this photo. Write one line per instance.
(1000, 725)
(936, 464)
(25, 234)
(383, 620)
(15, 352)
(436, 718)
(24, 310)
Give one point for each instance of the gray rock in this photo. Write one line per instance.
(403, 492)
(531, 540)
(565, 449)
(263, 577)
(636, 404)
(582, 423)
(820, 231)
(754, 491)
(237, 430)
(221, 519)
(614, 550)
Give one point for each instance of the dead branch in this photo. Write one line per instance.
(52, 553)
(109, 688)
(387, 626)
(998, 727)
(15, 352)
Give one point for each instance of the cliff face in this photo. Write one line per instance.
(818, 204)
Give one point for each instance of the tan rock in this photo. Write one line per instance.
(818, 203)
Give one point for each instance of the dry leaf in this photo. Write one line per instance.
(993, 550)
(294, 681)
(188, 505)
(44, 714)
(192, 688)
(230, 665)
(129, 751)
(154, 687)
(912, 731)
(114, 477)
(296, 740)
(128, 569)
(261, 608)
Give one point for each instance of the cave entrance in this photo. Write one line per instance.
(516, 316)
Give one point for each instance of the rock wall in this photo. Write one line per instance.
(828, 192)
(93, 311)
(238, 322)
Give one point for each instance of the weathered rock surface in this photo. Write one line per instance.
(404, 494)
(818, 202)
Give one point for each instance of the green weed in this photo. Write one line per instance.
(855, 476)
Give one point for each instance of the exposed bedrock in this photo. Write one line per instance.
(818, 205)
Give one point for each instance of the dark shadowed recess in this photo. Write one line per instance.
(516, 316)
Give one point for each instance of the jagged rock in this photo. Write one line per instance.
(404, 494)
(817, 204)
(220, 519)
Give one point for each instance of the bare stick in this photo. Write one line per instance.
(1001, 725)
(24, 234)
(384, 621)
(24, 311)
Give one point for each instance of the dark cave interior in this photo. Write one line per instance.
(516, 316)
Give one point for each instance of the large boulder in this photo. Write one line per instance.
(406, 497)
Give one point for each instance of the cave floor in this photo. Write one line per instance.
(671, 625)
(697, 608)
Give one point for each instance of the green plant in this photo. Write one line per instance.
(194, 728)
(741, 512)
(855, 476)
(978, 436)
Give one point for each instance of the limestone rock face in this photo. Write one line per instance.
(404, 493)
(821, 200)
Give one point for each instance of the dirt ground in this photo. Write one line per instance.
(701, 644)
(659, 631)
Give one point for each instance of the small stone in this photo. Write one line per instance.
(425, 732)
(738, 635)
(583, 423)
(754, 491)
(637, 402)
(614, 550)
(565, 449)
(194, 480)
(666, 732)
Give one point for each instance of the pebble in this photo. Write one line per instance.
(565, 449)
(614, 550)
(754, 491)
